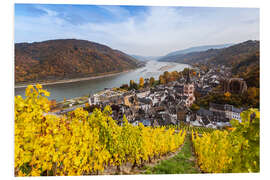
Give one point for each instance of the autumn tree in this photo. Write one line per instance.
(131, 84)
(253, 96)
(135, 86)
(162, 80)
(52, 103)
(124, 86)
(166, 75)
(141, 84)
(152, 81)
(175, 75)
(227, 94)
(185, 71)
(194, 107)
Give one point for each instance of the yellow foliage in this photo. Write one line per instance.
(227, 94)
(80, 143)
(141, 83)
(233, 150)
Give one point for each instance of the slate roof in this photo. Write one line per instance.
(146, 122)
(145, 100)
(204, 112)
(236, 110)
(222, 107)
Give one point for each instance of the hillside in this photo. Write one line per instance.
(192, 57)
(227, 56)
(249, 69)
(235, 54)
(66, 59)
(194, 50)
(243, 58)
(199, 49)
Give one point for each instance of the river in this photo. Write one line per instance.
(82, 88)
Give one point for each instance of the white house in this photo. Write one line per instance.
(93, 100)
(236, 114)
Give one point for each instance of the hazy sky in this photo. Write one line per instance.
(140, 30)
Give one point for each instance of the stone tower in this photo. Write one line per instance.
(189, 90)
(234, 85)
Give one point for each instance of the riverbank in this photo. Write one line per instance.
(24, 85)
(90, 85)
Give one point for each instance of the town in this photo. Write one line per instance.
(170, 103)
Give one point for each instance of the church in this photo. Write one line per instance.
(189, 90)
(185, 90)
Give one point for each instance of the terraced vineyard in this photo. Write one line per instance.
(232, 151)
(81, 143)
(89, 144)
(189, 128)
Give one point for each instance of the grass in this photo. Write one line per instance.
(182, 163)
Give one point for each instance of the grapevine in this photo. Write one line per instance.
(236, 150)
(81, 143)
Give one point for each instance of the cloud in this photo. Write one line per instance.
(49, 12)
(154, 31)
(116, 11)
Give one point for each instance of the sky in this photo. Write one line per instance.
(137, 30)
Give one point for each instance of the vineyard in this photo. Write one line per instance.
(189, 128)
(233, 151)
(89, 144)
(81, 143)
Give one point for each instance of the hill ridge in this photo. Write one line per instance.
(66, 59)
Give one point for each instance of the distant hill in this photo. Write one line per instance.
(243, 58)
(173, 55)
(66, 59)
(248, 67)
(198, 49)
(192, 57)
(237, 53)
(227, 56)
(145, 58)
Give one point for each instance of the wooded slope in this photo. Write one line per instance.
(67, 58)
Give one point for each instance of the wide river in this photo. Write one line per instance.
(86, 87)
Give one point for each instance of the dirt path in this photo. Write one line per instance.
(182, 163)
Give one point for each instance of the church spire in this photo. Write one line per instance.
(188, 78)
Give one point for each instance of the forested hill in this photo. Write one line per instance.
(235, 54)
(66, 59)
(194, 49)
(228, 56)
(243, 58)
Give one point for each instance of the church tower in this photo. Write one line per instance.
(188, 81)
(189, 90)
